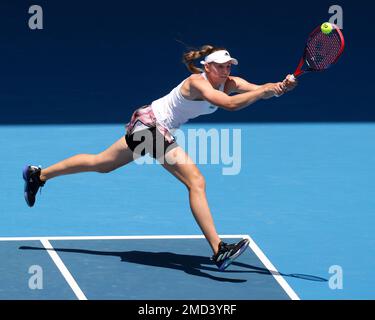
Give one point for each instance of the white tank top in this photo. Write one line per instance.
(173, 109)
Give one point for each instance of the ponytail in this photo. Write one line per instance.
(189, 57)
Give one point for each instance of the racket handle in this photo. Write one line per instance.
(293, 78)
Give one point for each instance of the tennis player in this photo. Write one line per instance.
(150, 131)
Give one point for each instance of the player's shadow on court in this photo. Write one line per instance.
(190, 264)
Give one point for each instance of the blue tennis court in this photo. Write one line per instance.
(301, 192)
(121, 268)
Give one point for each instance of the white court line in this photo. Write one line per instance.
(63, 269)
(267, 263)
(278, 277)
(105, 237)
(117, 237)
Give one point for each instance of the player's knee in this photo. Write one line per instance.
(197, 182)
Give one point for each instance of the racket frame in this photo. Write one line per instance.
(299, 71)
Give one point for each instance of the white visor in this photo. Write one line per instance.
(220, 56)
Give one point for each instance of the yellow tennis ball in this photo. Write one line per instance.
(326, 28)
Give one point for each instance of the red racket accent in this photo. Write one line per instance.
(321, 50)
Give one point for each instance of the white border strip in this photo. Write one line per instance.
(45, 240)
(64, 271)
(109, 237)
(117, 237)
(278, 277)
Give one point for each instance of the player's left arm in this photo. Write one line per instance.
(239, 85)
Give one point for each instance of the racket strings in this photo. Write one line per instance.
(322, 50)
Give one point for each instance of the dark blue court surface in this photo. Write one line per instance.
(135, 269)
(18, 268)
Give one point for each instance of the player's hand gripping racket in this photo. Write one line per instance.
(321, 50)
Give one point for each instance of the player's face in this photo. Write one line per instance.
(219, 71)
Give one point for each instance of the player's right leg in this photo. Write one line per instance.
(117, 155)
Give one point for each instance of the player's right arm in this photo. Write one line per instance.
(201, 88)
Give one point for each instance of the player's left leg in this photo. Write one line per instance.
(178, 163)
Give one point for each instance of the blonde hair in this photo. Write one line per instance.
(189, 57)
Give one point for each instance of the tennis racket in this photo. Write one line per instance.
(321, 51)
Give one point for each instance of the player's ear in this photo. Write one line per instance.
(207, 67)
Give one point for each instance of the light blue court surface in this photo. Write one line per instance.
(304, 193)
